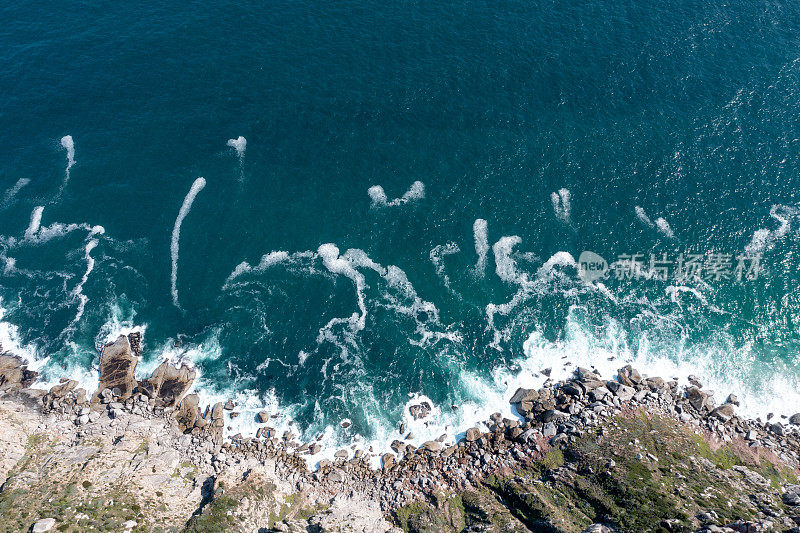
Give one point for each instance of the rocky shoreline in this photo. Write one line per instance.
(631, 453)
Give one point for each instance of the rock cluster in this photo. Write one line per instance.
(551, 418)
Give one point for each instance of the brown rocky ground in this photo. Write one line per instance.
(630, 454)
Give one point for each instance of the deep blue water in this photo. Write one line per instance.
(689, 111)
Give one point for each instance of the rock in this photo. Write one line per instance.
(732, 399)
(168, 383)
(694, 381)
(724, 412)
(597, 528)
(795, 419)
(420, 411)
(262, 417)
(62, 389)
(553, 415)
(699, 399)
(188, 412)
(472, 434)
(625, 393)
(336, 476)
(217, 412)
(43, 525)
(341, 454)
(549, 430)
(117, 366)
(432, 446)
(14, 373)
(792, 496)
(524, 395)
(388, 461)
(229, 405)
(629, 376)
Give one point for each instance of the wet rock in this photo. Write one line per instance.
(14, 373)
(168, 384)
(733, 400)
(229, 405)
(432, 446)
(420, 410)
(629, 376)
(524, 395)
(795, 419)
(472, 434)
(341, 454)
(262, 417)
(388, 461)
(699, 399)
(117, 366)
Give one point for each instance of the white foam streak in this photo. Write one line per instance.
(562, 206)
(642, 216)
(78, 290)
(481, 233)
(379, 199)
(329, 253)
(664, 228)
(764, 239)
(267, 260)
(13, 191)
(35, 223)
(197, 186)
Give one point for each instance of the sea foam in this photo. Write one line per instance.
(197, 186)
(13, 191)
(379, 198)
(481, 234)
(562, 205)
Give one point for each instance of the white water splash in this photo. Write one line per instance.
(481, 233)
(379, 198)
(239, 144)
(197, 186)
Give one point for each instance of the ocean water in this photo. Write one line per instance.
(336, 210)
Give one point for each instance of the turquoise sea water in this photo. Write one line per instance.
(616, 127)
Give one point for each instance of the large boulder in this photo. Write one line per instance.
(168, 383)
(14, 373)
(629, 376)
(117, 367)
(188, 412)
(524, 395)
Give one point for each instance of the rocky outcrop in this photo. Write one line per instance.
(168, 384)
(117, 367)
(188, 413)
(14, 373)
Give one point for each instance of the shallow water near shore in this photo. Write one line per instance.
(395, 198)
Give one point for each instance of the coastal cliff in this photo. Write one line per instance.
(631, 453)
